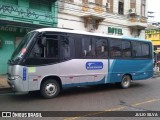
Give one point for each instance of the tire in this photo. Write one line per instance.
(50, 89)
(125, 82)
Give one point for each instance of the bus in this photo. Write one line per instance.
(50, 59)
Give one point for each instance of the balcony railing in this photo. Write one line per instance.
(138, 21)
(89, 8)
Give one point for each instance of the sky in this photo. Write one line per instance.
(154, 6)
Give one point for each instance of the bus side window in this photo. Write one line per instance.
(101, 49)
(87, 47)
(126, 49)
(66, 52)
(115, 48)
(136, 49)
(145, 50)
(52, 49)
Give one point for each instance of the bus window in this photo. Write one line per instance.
(87, 47)
(145, 50)
(126, 49)
(115, 48)
(52, 49)
(101, 49)
(66, 47)
(137, 50)
(37, 51)
(44, 54)
(48, 51)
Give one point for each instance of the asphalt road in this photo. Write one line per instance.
(141, 96)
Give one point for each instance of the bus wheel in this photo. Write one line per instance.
(50, 89)
(126, 81)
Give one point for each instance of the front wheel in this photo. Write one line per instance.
(125, 82)
(50, 89)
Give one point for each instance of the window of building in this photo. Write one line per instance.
(109, 6)
(99, 2)
(70, 1)
(41, 4)
(143, 9)
(126, 49)
(101, 48)
(149, 35)
(84, 1)
(121, 7)
(133, 4)
(115, 48)
(155, 36)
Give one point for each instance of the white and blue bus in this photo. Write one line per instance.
(49, 59)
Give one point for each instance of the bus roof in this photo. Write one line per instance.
(87, 33)
(76, 32)
(137, 39)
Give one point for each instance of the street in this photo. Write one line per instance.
(141, 96)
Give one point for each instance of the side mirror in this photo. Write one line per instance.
(44, 41)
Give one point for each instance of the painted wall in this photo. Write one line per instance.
(17, 17)
(153, 35)
(7, 48)
(71, 16)
(25, 12)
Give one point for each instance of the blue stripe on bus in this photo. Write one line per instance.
(138, 69)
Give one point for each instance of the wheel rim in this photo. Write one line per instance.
(50, 89)
(126, 81)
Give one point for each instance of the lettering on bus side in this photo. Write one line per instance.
(24, 73)
(94, 65)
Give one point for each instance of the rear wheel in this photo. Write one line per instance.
(125, 82)
(50, 89)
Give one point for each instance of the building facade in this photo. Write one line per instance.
(116, 17)
(154, 36)
(17, 17)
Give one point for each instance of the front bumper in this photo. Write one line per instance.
(16, 84)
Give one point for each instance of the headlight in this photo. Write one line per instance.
(13, 77)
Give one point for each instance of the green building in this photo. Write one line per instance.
(17, 17)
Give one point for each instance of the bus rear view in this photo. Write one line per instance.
(50, 59)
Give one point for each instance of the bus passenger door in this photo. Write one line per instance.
(43, 59)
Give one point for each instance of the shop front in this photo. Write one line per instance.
(10, 37)
(17, 17)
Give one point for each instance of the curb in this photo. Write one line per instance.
(5, 90)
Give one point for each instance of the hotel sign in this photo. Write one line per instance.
(116, 31)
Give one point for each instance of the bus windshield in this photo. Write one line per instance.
(22, 46)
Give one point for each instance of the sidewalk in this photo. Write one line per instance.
(3, 82)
